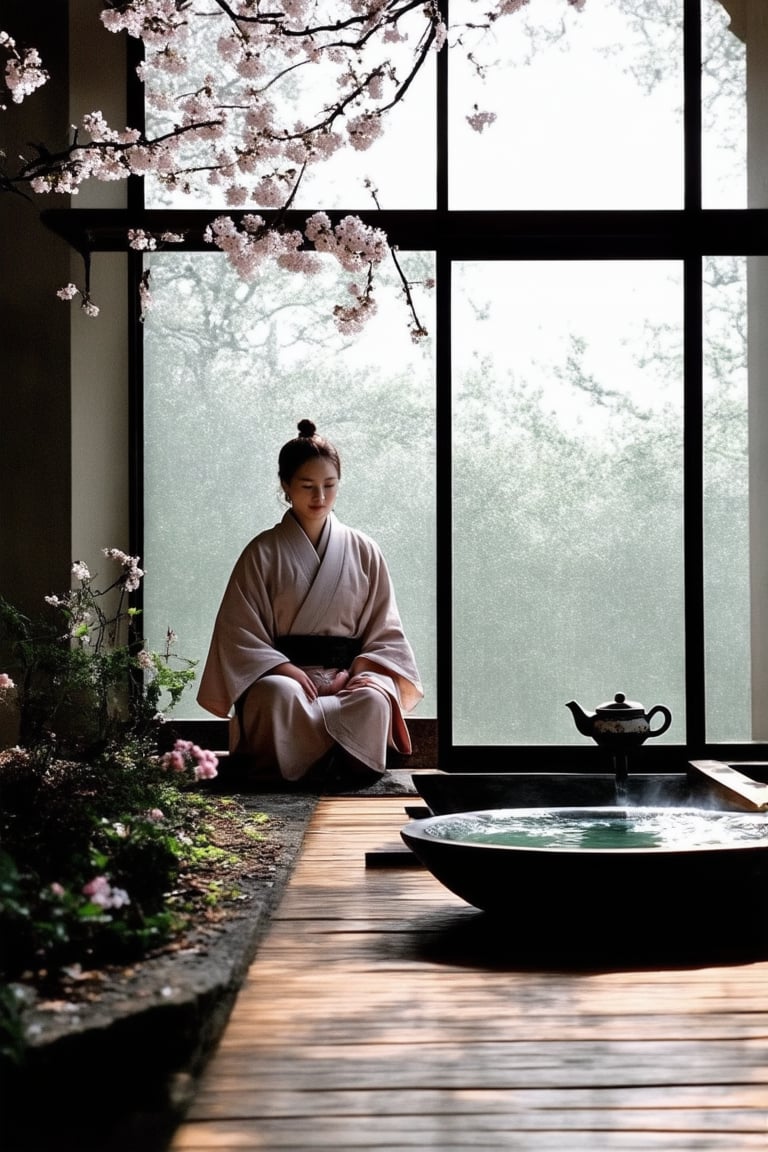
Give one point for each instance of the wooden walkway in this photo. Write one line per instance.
(371, 1020)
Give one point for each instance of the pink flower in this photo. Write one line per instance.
(185, 754)
(174, 760)
(80, 571)
(480, 120)
(99, 891)
(5, 681)
(132, 574)
(207, 764)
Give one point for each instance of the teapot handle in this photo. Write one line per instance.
(667, 719)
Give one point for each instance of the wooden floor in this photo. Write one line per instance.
(378, 1014)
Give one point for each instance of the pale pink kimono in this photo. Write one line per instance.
(282, 585)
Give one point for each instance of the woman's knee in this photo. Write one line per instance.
(270, 689)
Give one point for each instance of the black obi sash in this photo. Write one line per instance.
(319, 651)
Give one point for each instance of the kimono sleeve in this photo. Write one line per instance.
(241, 650)
(384, 641)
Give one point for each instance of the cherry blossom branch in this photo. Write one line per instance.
(215, 74)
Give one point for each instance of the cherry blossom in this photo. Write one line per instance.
(23, 70)
(480, 120)
(248, 98)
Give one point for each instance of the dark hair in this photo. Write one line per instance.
(306, 446)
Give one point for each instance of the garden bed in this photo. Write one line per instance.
(112, 1053)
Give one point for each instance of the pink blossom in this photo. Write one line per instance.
(5, 681)
(132, 574)
(228, 128)
(99, 891)
(174, 760)
(364, 131)
(207, 763)
(23, 70)
(268, 192)
(237, 195)
(480, 120)
(80, 571)
(141, 241)
(185, 754)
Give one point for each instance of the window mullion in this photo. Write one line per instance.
(692, 59)
(693, 505)
(693, 501)
(444, 502)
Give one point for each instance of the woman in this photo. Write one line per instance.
(308, 646)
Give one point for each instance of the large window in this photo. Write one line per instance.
(568, 478)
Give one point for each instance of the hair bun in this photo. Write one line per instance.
(307, 428)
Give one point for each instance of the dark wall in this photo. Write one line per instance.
(35, 453)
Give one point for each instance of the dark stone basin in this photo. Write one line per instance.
(446, 792)
(613, 879)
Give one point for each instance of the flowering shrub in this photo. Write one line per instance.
(82, 676)
(94, 818)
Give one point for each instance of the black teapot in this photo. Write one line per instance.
(619, 723)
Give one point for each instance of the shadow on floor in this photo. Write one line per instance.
(480, 940)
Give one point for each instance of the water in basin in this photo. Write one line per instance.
(616, 829)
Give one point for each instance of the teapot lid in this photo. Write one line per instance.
(620, 704)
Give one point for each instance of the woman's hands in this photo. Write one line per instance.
(311, 689)
(339, 681)
(300, 676)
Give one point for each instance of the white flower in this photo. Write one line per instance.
(80, 571)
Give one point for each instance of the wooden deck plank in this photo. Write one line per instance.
(335, 1030)
(542, 1069)
(712, 1105)
(355, 1135)
(371, 1019)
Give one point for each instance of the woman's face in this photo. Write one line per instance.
(312, 492)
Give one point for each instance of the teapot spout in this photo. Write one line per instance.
(584, 720)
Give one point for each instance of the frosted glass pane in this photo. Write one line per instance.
(724, 104)
(726, 500)
(567, 531)
(229, 370)
(588, 108)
